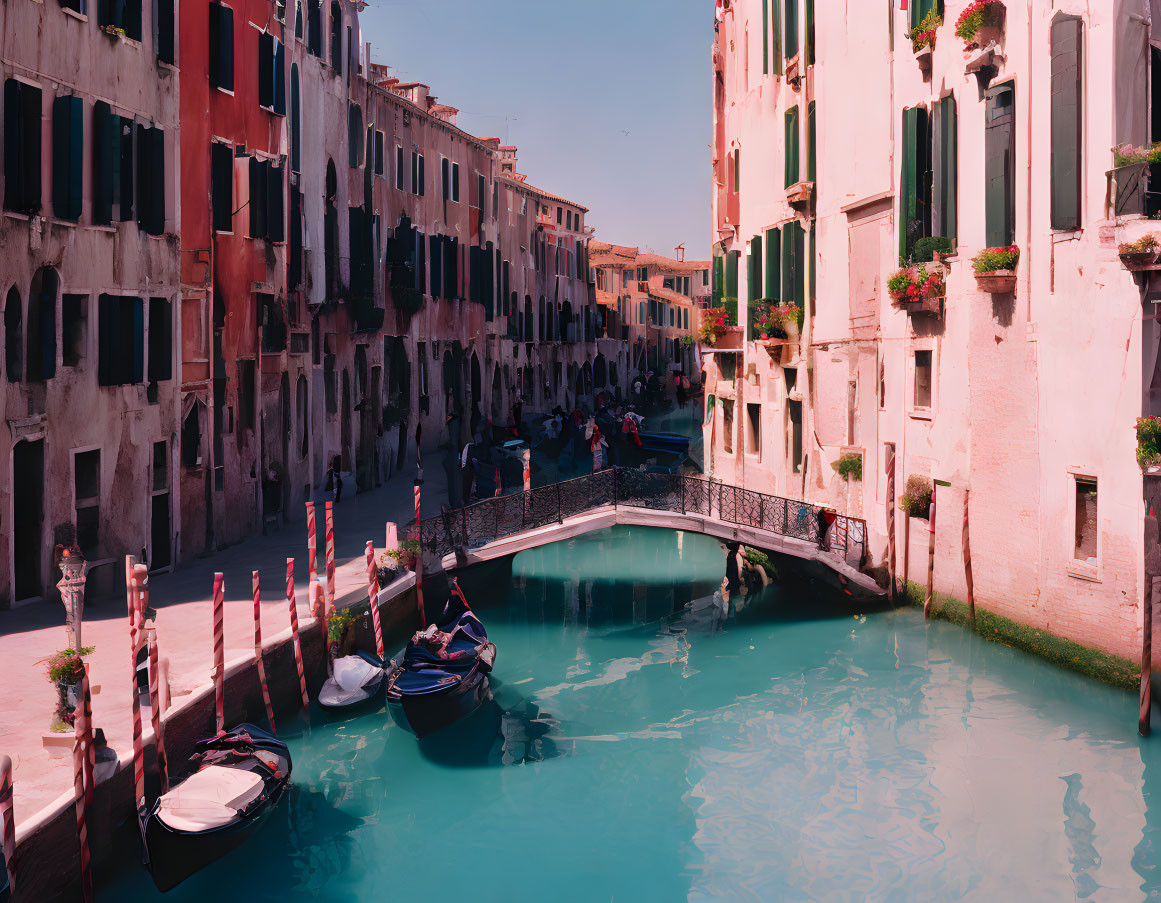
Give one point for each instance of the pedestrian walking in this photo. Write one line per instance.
(467, 470)
(335, 478)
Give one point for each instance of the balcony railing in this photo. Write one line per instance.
(1130, 190)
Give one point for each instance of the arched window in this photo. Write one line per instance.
(295, 120)
(301, 413)
(13, 337)
(337, 37)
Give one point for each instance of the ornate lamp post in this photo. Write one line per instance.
(73, 568)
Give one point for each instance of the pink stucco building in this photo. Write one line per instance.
(838, 148)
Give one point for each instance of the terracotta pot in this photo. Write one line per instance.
(1139, 260)
(997, 282)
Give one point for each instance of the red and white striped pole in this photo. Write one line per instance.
(499, 487)
(527, 459)
(84, 758)
(135, 577)
(155, 710)
(330, 556)
(418, 529)
(220, 652)
(373, 592)
(311, 541)
(294, 628)
(316, 598)
(7, 820)
(258, 650)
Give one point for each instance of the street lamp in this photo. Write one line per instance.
(73, 568)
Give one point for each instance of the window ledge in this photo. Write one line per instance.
(921, 414)
(103, 227)
(72, 13)
(1082, 571)
(71, 224)
(221, 90)
(22, 217)
(1059, 235)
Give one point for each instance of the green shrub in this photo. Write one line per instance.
(925, 248)
(337, 626)
(991, 259)
(67, 665)
(850, 465)
(916, 501)
(1148, 441)
(1142, 245)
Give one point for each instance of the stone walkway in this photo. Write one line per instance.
(28, 636)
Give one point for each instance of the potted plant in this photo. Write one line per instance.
(337, 627)
(66, 668)
(713, 325)
(980, 23)
(850, 465)
(388, 566)
(1139, 254)
(922, 37)
(995, 269)
(774, 321)
(916, 500)
(917, 289)
(408, 553)
(1148, 442)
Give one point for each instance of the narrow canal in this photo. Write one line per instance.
(646, 744)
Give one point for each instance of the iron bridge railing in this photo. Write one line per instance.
(506, 515)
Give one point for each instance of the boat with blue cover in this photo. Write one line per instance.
(443, 676)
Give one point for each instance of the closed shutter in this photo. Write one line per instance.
(732, 275)
(436, 266)
(126, 180)
(908, 181)
(790, 36)
(279, 78)
(105, 154)
(999, 172)
(151, 179)
(809, 11)
(222, 186)
(221, 46)
(295, 121)
(1067, 40)
(423, 178)
(295, 263)
(163, 31)
(421, 264)
(21, 147)
(773, 264)
(275, 229)
(944, 169)
(108, 328)
(790, 148)
(756, 277)
(718, 279)
(66, 157)
(765, 37)
(811, 144)
(160, 340)
(266, 70)
(793, 257)
(257, 204)
(776, 35)
(133, 316)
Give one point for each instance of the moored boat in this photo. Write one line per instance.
(239, 778)
(444, 673)
(357, 682)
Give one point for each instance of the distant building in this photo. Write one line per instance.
(840, 148)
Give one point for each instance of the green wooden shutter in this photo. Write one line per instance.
(765, 37)
(811, 141)
(908, 181)
(999, 174)
(718, 279)
(790, 38)
(788, 263)
(67, 154)
(125, 179)
(773, 260)
(809, 10)
(732, 274)
(811, 271)
(754, 273)
(920, 9)
(737, 170)
(279, 78)
(944, 169)
(776, 35)
(790, 149)
(1067, 41)
(275, 227)
(136, 321)
(104, 162)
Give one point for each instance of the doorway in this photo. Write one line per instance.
(28, 518)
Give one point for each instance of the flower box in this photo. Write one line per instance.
(1139, 261)
(997, 282)
(917, 289)
(923, 56)
(924, 305)
(730, 340)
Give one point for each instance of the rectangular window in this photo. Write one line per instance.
(811, 141)
(1087, 532)
(246, 394)
(732, 259)
(160, 340)
(737, 169)
(445, 178)
(416, 173)
(221, 47)
(728, 423)
(266, 201)
(793, 264)
(87, 501)
(944, 166)
(482, 187)
(808, 11)
(765, 37)
(21, 147)
(755, 272)
(124, 15)
(222, 186)
(271, 74)
(113, 179)
(120, 340)
(151, 179)
(754, 430)
(999, 165)
(74, 316)
(776, 35)
(1067, 44)
(923, 380)
(163, 30)
(773, 263)
(790, 34)
(67, 155)
(794, 412)
(790, 148)
(455, 182)
(380, 162)
(399, 167)
(920, 9)
(915, 182)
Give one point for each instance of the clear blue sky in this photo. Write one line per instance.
(608, 101)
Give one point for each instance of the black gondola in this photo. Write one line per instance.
(357, 682)
(5, 885)
(239, 778)
(444, 673)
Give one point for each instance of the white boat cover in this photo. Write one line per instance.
(209, 798)
(352, 672)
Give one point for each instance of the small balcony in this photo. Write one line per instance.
(800, 195)
(1131, 190)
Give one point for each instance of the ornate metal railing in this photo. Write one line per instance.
(506, 515)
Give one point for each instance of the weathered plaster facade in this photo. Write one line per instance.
(1025, 399)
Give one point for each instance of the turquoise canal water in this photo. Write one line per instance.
(790, 748)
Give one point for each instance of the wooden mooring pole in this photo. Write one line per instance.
(967, 560)
(891, 525)
(1152, 569)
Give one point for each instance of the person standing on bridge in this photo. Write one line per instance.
(468, 470)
